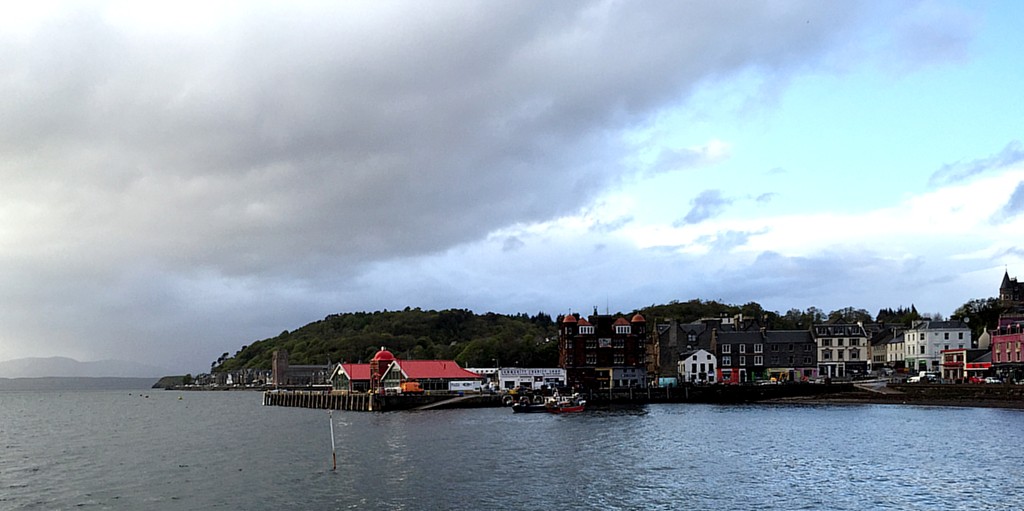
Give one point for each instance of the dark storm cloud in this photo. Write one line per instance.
(274, 154)
(959, 171)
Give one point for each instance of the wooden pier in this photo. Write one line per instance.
(365, 402)
(360, 402)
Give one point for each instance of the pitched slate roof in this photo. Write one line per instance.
(786, 336)
(938, 325)
(740, 337)
(687, 354)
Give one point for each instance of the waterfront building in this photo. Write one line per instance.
(697, 366)
(843, 349)
(670, 341)
(1011, 292)
(674, 338)
(895, 353)
(790, 355)
(603, 351)
(444, 375)
(882, 346)
(959, 365)
(925, 340)
(351, 377)
(1007, 351)
(740, 355)
(386, 373)
(752, 355)
(507, 378)
(284, 374)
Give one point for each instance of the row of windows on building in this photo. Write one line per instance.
(759, 348)
(593, 344)
(1007, 352)
(589, 330)
(704, 368)
(842, 342)
(827, 354)
(923, 336)
(617, 359)
(727, 360)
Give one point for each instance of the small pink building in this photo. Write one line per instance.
(1008, 350)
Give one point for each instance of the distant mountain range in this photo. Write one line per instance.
(68, 367)
(73, 383)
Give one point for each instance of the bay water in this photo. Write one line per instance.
(151, 449)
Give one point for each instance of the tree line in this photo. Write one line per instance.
(490, 339)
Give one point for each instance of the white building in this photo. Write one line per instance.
(628, 377)
(925, 340)
(531, 378)
(843, 349)
(697, 366)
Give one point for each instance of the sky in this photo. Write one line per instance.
(180, 179)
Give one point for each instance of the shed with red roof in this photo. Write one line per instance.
(430, 374)
(351, 377)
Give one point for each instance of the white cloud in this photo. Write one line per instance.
(176, 183)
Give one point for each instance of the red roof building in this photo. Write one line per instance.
(351, 377)
(603, 351)
(430, 374)
(388, 371)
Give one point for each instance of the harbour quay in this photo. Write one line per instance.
(375, 402)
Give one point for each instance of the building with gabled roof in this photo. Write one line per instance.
(603, 351)
(430, 374)
(698, 366)
(351, 377)
(1011, 292)
(386, 371)
(675, 337)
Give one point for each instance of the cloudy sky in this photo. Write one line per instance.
(181, 180)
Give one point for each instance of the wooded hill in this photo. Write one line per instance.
(487, 340)
(473, 340)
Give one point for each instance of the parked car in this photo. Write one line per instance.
(993, 379)
(976, 379)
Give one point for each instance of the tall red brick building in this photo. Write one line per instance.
(603, 351)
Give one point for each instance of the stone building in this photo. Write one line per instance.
(1011, 292)
(603, 351)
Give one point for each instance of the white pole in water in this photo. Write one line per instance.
(334, 456)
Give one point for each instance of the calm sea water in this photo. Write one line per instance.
(223, 450)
